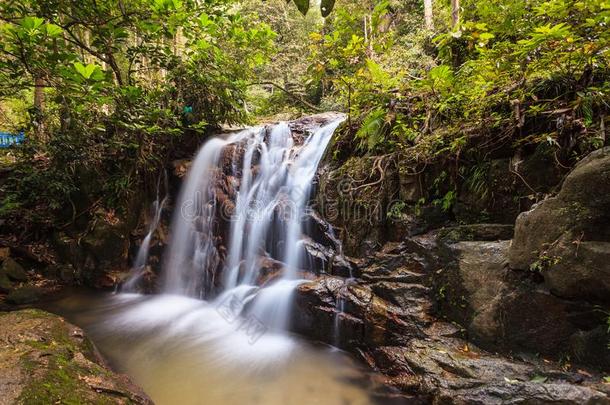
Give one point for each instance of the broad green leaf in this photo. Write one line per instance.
(91, 71)
(31, 23)
(80, 68)
(53, 30)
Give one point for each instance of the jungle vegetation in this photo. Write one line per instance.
(109, 91)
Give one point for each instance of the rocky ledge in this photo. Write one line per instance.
(389, 316)
(464, 315)
(45, 360)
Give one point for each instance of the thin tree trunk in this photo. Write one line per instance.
(428, 15)
(39, 86)
(455, 12)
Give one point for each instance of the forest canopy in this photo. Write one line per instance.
(108, 91)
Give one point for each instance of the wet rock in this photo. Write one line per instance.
(410, 297)
(45, 360)
(24, 295)
(449, 373)
(429, 359)
(366, 319)
(557, 234)
(324, 259)
(270, 270)
(320, 231)
(13, 270)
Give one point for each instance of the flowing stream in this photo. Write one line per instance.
(217, 333)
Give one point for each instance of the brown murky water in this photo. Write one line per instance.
(183, 351)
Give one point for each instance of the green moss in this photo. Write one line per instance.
(55, 374)
(61, 381)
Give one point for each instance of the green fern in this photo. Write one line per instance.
(372, 131)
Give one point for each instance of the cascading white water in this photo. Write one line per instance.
(272, 174)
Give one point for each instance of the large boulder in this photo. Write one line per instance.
(477, 289)
(13, 270)
(567, 237)
(45, 360)
(503, 309)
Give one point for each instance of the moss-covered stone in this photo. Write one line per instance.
(45, 360)
(567, 237)
(5, 284)
(24, 295)
(13, 270)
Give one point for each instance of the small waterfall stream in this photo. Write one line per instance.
(141, 261)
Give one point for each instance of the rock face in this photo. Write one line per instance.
(545, 293)
(567, 237)
(389, 316)
(45, 360)
(99, 257)
(502, 309)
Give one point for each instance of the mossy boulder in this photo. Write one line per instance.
(567, 238)
(5, 284)
(24, 295)
(13, 270)
(46, 360)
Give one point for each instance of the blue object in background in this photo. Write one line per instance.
(7, 139)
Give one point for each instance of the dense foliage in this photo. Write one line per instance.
(116, 86)
(109, 90)
(505, 71)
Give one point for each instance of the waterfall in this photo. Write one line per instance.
(139, 266)
(340, 309)
(239, 222)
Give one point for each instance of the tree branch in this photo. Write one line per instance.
(291, 94)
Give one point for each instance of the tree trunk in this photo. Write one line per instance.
(455, 12)
(38, 119)
(428, 15)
